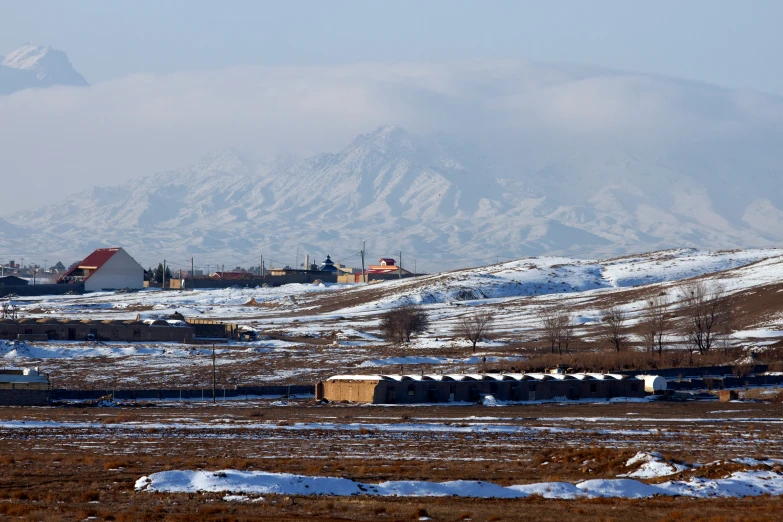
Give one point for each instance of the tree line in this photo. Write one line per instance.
(702, 318)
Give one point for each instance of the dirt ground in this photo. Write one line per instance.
(72, 463)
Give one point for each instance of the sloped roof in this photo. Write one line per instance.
(92, 262)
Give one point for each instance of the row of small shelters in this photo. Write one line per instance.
(433, 388)
(51, 329)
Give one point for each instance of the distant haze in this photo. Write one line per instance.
(553, 127)
(61, 140)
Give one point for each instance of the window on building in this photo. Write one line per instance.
(411, 389)
(593, 387)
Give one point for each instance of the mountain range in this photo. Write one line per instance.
(436, 198)
(32, 66)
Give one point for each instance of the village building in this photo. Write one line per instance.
(24, 387)
(386, 269)
(12, 281)
(328, 266)
(232, 276)
(434, 388)
(106, 269)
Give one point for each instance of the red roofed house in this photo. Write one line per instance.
(386, 270)
(106, 269)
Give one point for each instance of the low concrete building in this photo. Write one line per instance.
(75, 330)
(434, 388)
(24, 387)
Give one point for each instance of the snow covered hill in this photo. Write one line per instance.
(35, 66)
(543, 276)
(436, 198)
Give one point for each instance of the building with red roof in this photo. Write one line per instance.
(106, 269)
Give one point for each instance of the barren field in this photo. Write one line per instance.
(74, 463)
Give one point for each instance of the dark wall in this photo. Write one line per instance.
(39, 290)
(184, 393)
(528, 390)
(24, 397)
(299, 277)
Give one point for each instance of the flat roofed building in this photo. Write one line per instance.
(24, 387)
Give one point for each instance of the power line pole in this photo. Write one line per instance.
(192, 272)
(399, 268)
(364, 274)
(414, 268)
(214, 377)
(163, 276)
(44, 265)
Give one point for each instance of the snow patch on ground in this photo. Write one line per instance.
(652, 465)
(738, 484)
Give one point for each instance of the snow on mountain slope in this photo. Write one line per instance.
(437, 199)
(35, 66)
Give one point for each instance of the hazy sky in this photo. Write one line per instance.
(730, 43)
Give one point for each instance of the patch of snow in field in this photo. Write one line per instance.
(757, 334)
(738, 484)
(652, 465)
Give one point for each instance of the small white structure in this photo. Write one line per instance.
(653, 383)
(106, 269)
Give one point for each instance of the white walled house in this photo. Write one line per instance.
(106, 269)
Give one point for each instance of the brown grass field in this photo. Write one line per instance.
(85, 464)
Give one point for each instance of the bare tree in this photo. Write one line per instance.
(398, 324)
(566, 332)
(475, 326)
(654, 324)
(550, 325)
(708, 315)
(558, 328)
(614, 319)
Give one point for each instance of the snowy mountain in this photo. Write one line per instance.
(35, 66)
(435, 198)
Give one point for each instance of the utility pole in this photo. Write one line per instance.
(214, 378)
(399, 268)
(364, 274)
(163, 276)
(44, 265)
(192, 272)
(414, 268)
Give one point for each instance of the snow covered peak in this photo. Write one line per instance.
(36, 66)
(386, 138)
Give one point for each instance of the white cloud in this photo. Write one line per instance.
(64, 139)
